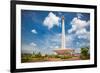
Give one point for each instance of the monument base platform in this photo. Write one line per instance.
(64, 51)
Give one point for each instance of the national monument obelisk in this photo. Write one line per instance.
(63, 34)
(63, 50)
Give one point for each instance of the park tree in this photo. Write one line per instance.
(84, 53)
(33, 53)
(38, 54)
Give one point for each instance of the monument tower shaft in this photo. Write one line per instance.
(63, 34)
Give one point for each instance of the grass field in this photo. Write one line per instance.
(40, 58)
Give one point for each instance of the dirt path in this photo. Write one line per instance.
(58, 59)
(74, 58)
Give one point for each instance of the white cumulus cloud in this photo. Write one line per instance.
(79, 27)
(79, 30)
(79, 15)
(34, 31)
(33, 44)
(51, 20)
(78, 24)
(84, 35)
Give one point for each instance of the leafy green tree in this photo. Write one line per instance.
(38, 54)
(46, 55)
(85, 53)
(33, 53)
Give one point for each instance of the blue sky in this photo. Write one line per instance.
(41, 30)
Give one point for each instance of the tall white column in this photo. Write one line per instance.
(63, 34)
